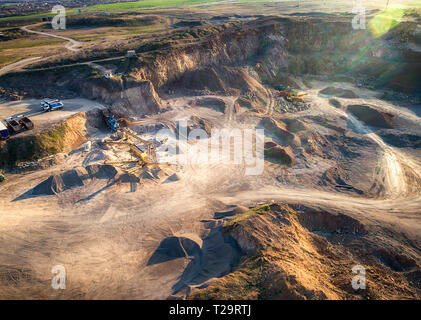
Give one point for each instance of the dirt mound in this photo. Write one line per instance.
(400, 139)
(173, 248)
(338, 178)
(59, 183)
(307, 253)
(371, 116)
(146, 174)
(172, 178)
(74, 178)
(210, 255)
(338, 92)
(101, 171)
(294, 125)
(335, 103)
(244, 103)
(250, 102)
(277, 131)
(224, 80)
(150, 174)
(281, 155)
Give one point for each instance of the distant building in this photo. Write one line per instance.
(131, 53)
(108, 74)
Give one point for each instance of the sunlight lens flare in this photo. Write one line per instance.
(385, 20)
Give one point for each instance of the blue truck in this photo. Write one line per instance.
(51, 105)
(4, 133)
(112, 123)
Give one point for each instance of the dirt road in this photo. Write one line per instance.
(18, 65)
(72, 44)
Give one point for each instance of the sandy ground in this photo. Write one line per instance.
(32, 109)
(105, 235)
(111, 237)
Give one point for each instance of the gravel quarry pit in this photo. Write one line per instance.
(334, 192)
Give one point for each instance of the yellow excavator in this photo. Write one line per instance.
(291, 96)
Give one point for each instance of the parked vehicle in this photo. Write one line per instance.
(4, 133)
(13, 125)
(26, 123)
(51, 105)
(112, 123)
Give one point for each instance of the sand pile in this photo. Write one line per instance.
(81, 176)
(371, 116)
(335, 103)
(153, 174)
(227, 81)
(172, 178)
(294, 125)
(173, 248)
(281, 155)
(277, 131)
(74, 178)
(338, 92)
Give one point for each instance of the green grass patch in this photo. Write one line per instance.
(246, 283)
(28, 43)
(253, 278)
(33, 147)
(259, 210)
(120, 7)
(385, 20)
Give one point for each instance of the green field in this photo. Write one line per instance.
(123, 6)
(126, 6)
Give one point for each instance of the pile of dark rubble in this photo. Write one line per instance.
(283, 106)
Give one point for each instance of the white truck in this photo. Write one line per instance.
(51, 105)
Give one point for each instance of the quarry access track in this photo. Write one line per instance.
(72, 44)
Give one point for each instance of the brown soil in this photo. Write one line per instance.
(305, 253)
(338, 92)
(372, 116)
